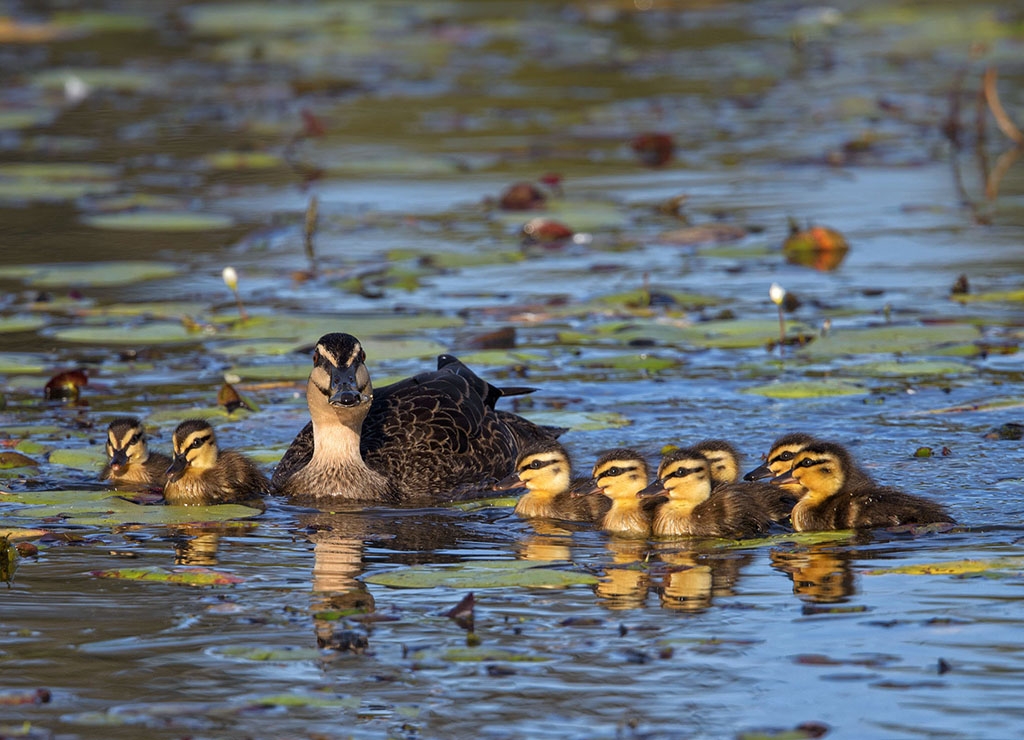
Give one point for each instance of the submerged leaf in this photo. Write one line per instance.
(196, 576)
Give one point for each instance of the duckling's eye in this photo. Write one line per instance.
(805, 463)
(614, 470)
(786, 456)
(197, 443)
(135, 439)
(536, 464)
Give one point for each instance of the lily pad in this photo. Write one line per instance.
(581, 421)
(9, 324)
(92, 274)
(1001, 296)
(807, 389)
(633, 362)
(182, 576)
(158, 332)
(243, 161)
(10, 460)
(308, 328)
(953, 568)
(267, 654)
(917, 368)
(97, 78)
(48, 191)
(58, 171)
(160, 221)
(482, 574)
(107, 509)
(890, 340)
(87, 458)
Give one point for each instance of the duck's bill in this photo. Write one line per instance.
(783, 480)
(759, 473)
(176, 469)
(655, 489)
(345, 388)
(508, 482)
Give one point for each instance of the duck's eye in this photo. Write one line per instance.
(316, 357)
(362, 356)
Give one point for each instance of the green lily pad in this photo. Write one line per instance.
(890, 340)
(30, 447)
(1000, 296)
(26, 118)
(160, 221)
(306, 700)
(807, 389)
(487, 655)
(20, 362)
(161, 416)
(48, 191)
(953, 568)
(633, 362)
(102, 21)
(501, 357)
(233, 19)
(580, 421)
(158, 332)
(307, 328)
(106, 509)
(641, 298)
(267, 654)
(917, 368)
(243, 161)
(275, 371)
(482, 574)
(149, 309)
(58, 171)
(93, 274)
(81, 458)
(182, 576)
(10, 460)
(9, 324)
(97, 78)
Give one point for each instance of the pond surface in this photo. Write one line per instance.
(146, 149)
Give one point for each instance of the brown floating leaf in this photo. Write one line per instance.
(16, 698)
(522, 196)
(66, 385)
(462, 612)
(546, 231)
(504, 338)
(653, 149)
(10, 459)
(817, 246)
(230, 398)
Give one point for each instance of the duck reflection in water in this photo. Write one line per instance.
(821, 573)
(197, 545)
(626, 581)
(692, 578)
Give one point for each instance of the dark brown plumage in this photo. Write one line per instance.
(544, 469)
(693, 509)
(203, 475)
(130, 463)
(835, 500)
(724, 465)
(412, 442)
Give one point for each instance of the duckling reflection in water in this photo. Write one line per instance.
(130, 462)
(692, 510)
(201, 474)
(838, 497)
(619, 475)
(544, 468)
(821, 573)
(411, 442)
(626, 582)
(692, 578)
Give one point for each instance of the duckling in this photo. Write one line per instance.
(620, 474)
(411, 442)
(544, 469)
(723, 459)
(202, 475)
(724, 462)
(693, 509)
(130, 462)
(837, 498)
(780, 458)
